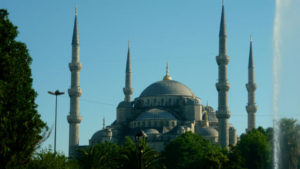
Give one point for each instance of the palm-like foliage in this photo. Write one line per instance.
(101, 156)
(129, 152)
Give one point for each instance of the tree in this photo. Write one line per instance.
(254, 150)
(191, 151)
(104, 155)
(47, 159)
(151, 158)
(20, 123)
(289, 143)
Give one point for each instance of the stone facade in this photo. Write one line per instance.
(166, 108)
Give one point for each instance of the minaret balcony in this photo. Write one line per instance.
(128, 91)
(251, 108)
(74, 119)
(223, 114)
(222, 86)
(75, 66)
(75, 92)
(251, 87)
(222, 59)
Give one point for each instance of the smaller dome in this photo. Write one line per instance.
(97, 137)
(151, 132)
(155, 114)
(208, 132)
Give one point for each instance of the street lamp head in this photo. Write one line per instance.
(51, 93)
(57, 92)
(141, 135)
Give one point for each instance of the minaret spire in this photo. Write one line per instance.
(74, 92)
(251, 87)
(103, 123)
(222, 85)
(223, 32)
(75, 39)
(128, 90)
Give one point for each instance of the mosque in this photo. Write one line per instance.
(166, 108)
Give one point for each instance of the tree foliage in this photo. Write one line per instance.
(101, 156)
(191, 151)
(20, 123)
(289, 143)
(151, 158)
(47, 159)
(254, 150)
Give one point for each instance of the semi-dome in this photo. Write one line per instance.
(156, 114)
(151, 132)
(208, 132)
(167, 87)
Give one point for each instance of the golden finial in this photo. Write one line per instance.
(207, 103)
(128, 44)
(223, 2)
(250, 38)
(167, 76)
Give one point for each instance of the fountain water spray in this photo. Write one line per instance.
(276, 70)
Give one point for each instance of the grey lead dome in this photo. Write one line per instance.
(167, 87)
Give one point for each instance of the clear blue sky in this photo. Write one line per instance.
(184, 33)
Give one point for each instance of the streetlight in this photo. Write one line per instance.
(140, 140)
(56, 93)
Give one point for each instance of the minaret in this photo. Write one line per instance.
(251, 87)
(74, 92)
(223, 86)
(127, 89)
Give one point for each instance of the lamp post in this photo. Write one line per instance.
(140, 140)
(56, 93)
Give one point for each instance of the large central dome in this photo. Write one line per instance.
(167, 87)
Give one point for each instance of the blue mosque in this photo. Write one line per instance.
(166, 108)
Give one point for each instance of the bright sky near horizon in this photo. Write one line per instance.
(184, 33)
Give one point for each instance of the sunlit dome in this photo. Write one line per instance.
(167, 87)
